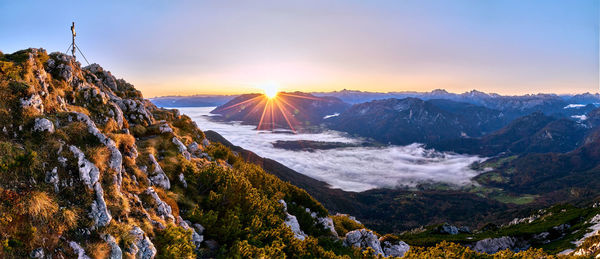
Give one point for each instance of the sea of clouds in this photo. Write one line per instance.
(350, 169)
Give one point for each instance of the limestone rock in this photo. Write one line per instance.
(34, 101)
(165, 128)
(116, 159)
(88, 172)
(196, 237)
(100, 213)
(162, 208)
(292, 222)
(494, 245)
(363, 238)
(78, 250)
(115, 250)
(395, 250)
(181, 147)
(43, 124)
(142, 247)
(205, 143)
(52, 177)
(447, 229)
(159, 178)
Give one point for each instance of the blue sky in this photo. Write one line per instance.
(188, 47)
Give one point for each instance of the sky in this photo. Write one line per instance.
(232, 47)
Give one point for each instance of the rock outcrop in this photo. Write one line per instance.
(43, 124)
(78, 250)
(395, 249)
(162, 208)
(142, 247)
(292, 222)
(363, 238)
(494, 245)
(158, 177)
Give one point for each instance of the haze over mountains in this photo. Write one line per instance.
(90, 167)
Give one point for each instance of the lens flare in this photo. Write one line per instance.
(270, 90)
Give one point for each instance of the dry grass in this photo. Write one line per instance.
(40, 206)
(69, 217)
(98, 250)
(111, 126)
(78, 109)
(123, 140)
(99, 156)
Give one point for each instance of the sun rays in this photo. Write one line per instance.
(273, 110)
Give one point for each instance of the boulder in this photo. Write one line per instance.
(292, 222)
(395, 249)
(494, 245)
(165, 128)
(43, 124)
(205, 143)
(447, 229)
(363, 238)
(182, 180)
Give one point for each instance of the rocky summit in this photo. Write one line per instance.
(91, 169)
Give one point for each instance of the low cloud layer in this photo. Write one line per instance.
(350, 169)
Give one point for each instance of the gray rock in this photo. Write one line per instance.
(158, 178)
(395, 250)
(115, 250)
(116, 159)
(37, 253)
(363, 238)
(199, 228)
(142, 247)
(182, 149)
(43, 124)
(162, 208)
(448, 229)
(194, 147)
(494, 245)
(78, 250)
(52, 177)
(100, 213)
(292, 222)
(182, 180)
(165, 128)
(196, 237)
(34, 101)
(205, 143)
(118, 114)
(88, 172)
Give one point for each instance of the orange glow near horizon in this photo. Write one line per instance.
(278, 111)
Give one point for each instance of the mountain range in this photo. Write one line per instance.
(89, 168)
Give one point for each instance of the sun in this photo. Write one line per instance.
(270, 90)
